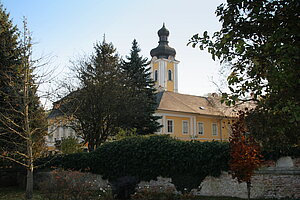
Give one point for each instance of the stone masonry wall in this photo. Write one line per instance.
(264, 185)
(276, 180)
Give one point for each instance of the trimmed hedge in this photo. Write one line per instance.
(294, 152)
(187, 163)
(77, 161)
(146, 158)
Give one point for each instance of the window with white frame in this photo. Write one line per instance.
(185, 127)
(200, 128)
(170, 126)
(214, 129)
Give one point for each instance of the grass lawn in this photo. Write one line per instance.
(18, 194)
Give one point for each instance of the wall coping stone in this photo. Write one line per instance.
(279, 171)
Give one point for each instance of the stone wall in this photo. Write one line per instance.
(265, 184)
(275, 180)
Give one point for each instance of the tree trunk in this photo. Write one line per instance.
(29, 184)
(29, 181)
(248, 189)
(28, 134)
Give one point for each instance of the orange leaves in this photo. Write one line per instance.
(244, 151)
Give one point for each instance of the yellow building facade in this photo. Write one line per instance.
(184, 116)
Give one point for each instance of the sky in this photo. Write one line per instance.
(66, 30)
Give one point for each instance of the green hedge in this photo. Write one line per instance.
(275, 154)
(145, 158)
(76, 161)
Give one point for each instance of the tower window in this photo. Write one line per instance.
(155, 75)
(169, 75)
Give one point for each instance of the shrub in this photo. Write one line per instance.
(276, 153)
(65, 185)
(123, 187)
(146, 158)
(70, 145)
(77, 161)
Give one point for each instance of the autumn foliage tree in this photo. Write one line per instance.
(244, 152)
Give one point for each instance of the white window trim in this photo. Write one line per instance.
(168, 126)
(212, 129)
(183, 133)
(198, 122)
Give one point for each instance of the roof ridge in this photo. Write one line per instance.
(211, 101)
(188, 94)
(182, 101)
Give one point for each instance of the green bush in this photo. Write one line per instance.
(187, 163)
(276, 153)
(146, 158)
(77, 161)
(70, 145)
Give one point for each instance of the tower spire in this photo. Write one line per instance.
(163, 50)
(163, 64)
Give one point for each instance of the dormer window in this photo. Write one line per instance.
(155, 75)
(169, 75)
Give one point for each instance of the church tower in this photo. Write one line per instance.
(163, 64)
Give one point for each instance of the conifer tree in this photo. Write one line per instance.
(10, 73)
(96, 104)
(141, 100)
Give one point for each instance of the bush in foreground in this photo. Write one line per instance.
(146, 158)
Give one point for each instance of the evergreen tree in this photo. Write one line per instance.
(10, 77)
(96, 105)
(140, 100)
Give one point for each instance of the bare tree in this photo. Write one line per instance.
(23, 122)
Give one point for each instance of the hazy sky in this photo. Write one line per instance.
(66, 29)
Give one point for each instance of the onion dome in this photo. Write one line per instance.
(163, 50)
